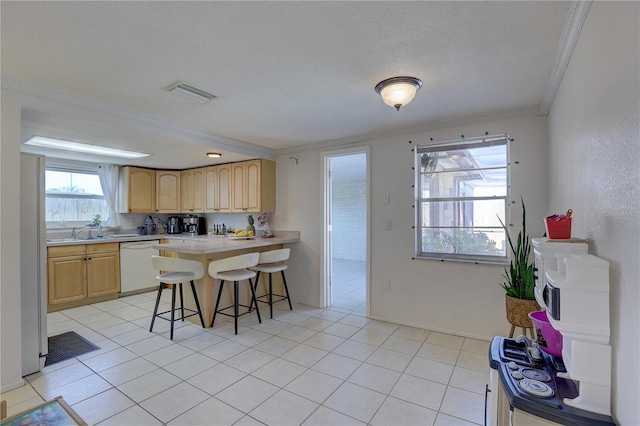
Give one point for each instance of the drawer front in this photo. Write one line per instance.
(61, 251)
(103, 248)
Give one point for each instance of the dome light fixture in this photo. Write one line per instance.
(398, 91)
(214, 155)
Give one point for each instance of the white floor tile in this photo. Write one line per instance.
(190, 366)
(216, 378)
(447, 420)
(463, 404)
(337, 365)
(127, 371)
(439, 353)
(224, 350)
(399, 413)
(419, 391)
(131, 416)
(447, 340)
(276, 345)
(355, 350)
(148, 385)
(201, 341)
(470, 380)
(168, 355)
(102, 406)
(323, 416)
(79, 390)
(297, 334)
(412, 333)
(304, 355)
(342, 330)
(430, 370)
(284, 408)
(279, 372)
(324, 341)
(382, 326)
(370, 337)
(173, 402)
(149, 345)
(355, 401)
(314, 323)
(249, 360)
(389, 359)
(375, 378)
(109, 359)
(476, 346)
(314, 386)
(473, 361)
(402, 344)
(247, 393)
(210, 412)
(251, 337)
(56, 379)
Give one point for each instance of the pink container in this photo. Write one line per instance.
(549, 339)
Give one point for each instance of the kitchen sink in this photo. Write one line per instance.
(65, 240)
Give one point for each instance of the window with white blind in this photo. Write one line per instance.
(73, 196)
(461, 196)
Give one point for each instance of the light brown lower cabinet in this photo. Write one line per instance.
(81, 274)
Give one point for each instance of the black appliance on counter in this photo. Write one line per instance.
(532, 383)
(174, 225)
(194, 225)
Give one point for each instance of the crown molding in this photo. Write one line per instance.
(135, 119)
(578, 11)
(422, 128)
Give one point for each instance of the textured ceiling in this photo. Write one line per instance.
(285, 73)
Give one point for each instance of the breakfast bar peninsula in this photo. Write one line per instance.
(206, 249)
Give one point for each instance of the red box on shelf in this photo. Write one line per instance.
(558, 229)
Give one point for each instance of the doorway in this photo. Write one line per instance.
(347, 230)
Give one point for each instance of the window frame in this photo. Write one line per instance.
(70, 168)
(466, 143)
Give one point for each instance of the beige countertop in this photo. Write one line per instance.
(216, 244)
(123, 238)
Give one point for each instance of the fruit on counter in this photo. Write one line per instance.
(250, 227)
(243, 233)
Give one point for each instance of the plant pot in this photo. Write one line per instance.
(518, 311)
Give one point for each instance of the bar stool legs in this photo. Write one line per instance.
(173, 306)
(236, 304)
(270, 294)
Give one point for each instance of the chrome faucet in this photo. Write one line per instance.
(74, 233)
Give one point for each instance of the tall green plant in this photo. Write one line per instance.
(519, 275)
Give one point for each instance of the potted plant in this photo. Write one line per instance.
(519, 284)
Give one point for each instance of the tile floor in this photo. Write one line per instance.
(310, 366)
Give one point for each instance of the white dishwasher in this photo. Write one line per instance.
(136, 271)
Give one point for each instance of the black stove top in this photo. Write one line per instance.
(542, 391)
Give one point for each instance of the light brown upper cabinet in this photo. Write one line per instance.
(253, 186)
(218, 189)
(167, 191)
(137, 190)
(192, 190)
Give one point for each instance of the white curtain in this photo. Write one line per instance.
(109, 181)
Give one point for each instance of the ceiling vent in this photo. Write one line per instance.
(190, 92)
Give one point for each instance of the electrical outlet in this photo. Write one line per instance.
(387, 199)
(388, 225)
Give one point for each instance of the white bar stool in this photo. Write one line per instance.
(270, 263)
(234, 269)
(177, 272)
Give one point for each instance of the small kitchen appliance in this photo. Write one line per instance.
(174, 225)
(194, 225)
(545, 251)
(574, 388)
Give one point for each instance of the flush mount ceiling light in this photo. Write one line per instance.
(82, 147)
(214, 155)
(398, 91)
(190, 92)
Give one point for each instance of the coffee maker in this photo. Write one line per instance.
(194, 225)
(174, 225)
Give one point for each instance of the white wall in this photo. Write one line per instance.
(11, 347)
(460, 298)
(595, 156)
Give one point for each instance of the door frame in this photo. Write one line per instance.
(325, 287)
